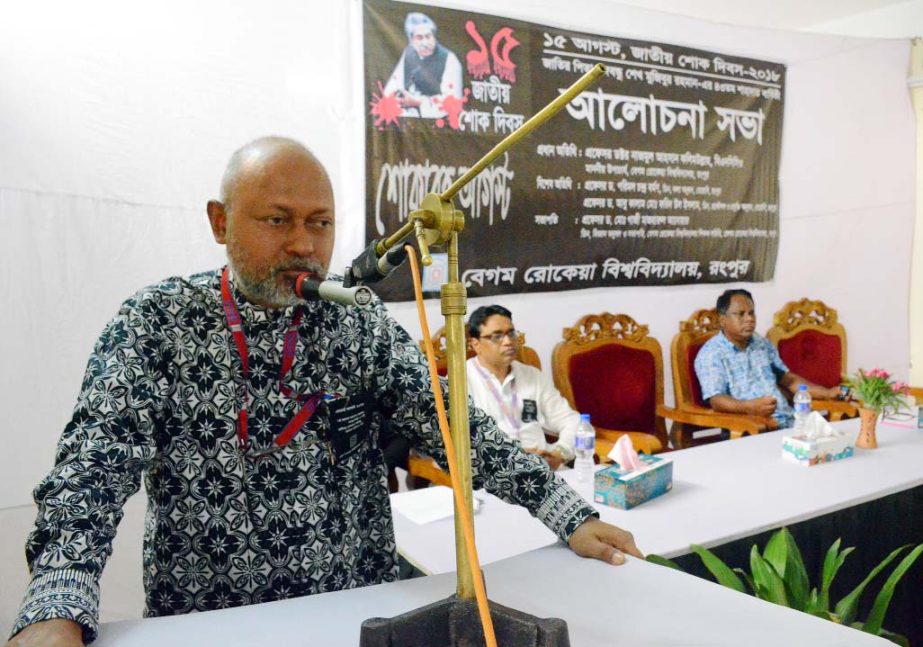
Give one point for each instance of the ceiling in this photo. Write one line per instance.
(778, 14)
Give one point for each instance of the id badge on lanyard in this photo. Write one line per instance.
(508, 409)
(308, 402)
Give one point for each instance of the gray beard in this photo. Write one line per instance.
(269, 291)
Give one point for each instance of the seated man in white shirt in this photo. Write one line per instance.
(524, 402)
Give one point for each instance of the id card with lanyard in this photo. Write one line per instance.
(509, 410)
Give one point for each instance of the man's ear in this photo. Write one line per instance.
(218, 218)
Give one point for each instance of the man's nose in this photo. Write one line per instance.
(300, 242)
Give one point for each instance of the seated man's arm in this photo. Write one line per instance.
(715, 382)
(764, 406)
(559, 418)
(98, 465)
(791, 381)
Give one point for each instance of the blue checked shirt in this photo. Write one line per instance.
(724, 369)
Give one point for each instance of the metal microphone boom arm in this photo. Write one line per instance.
(437, 222)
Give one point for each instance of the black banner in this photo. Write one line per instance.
(665, 171)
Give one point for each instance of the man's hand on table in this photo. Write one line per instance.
(603, 541)
(49, 633)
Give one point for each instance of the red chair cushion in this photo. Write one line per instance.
(814, 355)
(615, 385)
(692, 379)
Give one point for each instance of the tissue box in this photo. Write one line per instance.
(820, 450)
(614, 487)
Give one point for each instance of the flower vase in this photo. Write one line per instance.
(867, 439)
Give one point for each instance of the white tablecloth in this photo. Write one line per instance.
(637, 604)
(721, 492)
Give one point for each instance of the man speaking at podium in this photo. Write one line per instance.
(254, 419)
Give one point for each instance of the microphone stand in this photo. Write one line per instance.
(437, 223)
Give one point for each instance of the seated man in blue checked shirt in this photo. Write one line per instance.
(741, 372)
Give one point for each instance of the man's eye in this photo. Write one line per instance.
(275, 220)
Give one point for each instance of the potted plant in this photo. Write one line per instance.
(778, 575)
(878, 393)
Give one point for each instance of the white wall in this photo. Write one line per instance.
(901, 20)
(115, 124)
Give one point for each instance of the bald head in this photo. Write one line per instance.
(250, 162)
(276, 217)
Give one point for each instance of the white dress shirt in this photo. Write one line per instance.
(506, 402)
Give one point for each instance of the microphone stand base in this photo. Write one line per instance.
(454, 622)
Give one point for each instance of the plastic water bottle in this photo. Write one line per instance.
(585, 448)
(802, 407)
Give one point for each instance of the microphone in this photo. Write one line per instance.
(311, 289)
(368, 267)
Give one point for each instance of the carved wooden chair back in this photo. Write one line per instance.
(811, 341)
(608, 366)
(701, 326)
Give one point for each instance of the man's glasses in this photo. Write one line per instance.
(497, 338)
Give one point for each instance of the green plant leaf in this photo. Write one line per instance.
(769, 584)
(663, 561)
(812, 605)
(719, 569)
(782, 552)
(899, 639)
(776, 551)
(829, 572)
(846, 608)
(877, 615)
(832, 563)
(745, 576)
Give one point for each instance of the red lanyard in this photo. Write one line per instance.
(309, 402)
(508, 409)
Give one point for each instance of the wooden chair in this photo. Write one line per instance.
(812, 343)
(608, 366)
(425, 467)
(695, 412)
(916, 392)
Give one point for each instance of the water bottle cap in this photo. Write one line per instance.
(802, 387)
(585, 417)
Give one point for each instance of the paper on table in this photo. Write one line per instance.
(428, 504)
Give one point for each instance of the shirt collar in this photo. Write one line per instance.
(727, 343)
(486, 371)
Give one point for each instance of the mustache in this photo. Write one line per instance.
(309, 266)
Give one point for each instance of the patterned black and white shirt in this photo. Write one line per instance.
(227, 527)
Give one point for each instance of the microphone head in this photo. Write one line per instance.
(310, 289)
(306, 287)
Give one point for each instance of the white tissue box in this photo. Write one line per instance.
(808, 452)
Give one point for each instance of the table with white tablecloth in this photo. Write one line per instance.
(721, 492)
(635, 604)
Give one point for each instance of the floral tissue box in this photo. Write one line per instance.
(613, 486)
(825, 449)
